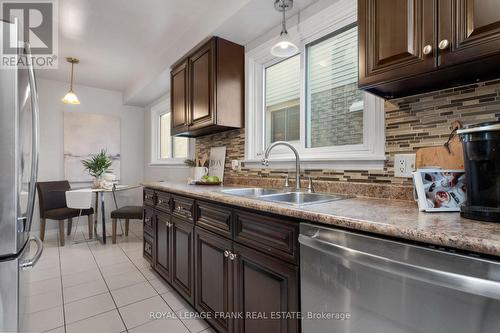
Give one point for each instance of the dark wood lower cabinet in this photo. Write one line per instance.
(162, 242)
(264, 286)
(214, 275)
(238, 268)
(182, 257)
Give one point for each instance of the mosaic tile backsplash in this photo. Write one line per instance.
(410, 123)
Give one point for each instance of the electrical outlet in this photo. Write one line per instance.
(404, 165)
(236, 165)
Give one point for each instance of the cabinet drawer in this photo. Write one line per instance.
(163, 202)
(148, 216)
(214, 218)
(149, 197)
(183, 207)
(147, 248)
(271, 235)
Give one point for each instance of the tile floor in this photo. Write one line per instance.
(91, 287)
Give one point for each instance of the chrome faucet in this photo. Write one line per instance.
(265, 160)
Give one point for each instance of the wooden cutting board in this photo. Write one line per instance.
(442, 157)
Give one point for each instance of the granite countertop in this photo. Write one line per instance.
(393, 218)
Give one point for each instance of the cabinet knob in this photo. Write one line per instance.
(147, 219)
(427, 49)
(444, 44)
(226, 253)
(232, 256)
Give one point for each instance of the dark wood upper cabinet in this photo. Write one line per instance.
(392, 38)
(469, 29)
(411, 47)
(213, 91)
(214, 289)
(179, 97)
(202, 75)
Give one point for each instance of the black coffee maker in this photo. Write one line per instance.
(481, 144)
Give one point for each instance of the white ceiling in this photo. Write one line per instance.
(129, 46)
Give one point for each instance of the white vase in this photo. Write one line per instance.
(98, 182)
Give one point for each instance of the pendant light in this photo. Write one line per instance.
(284, 47)
(70, 97)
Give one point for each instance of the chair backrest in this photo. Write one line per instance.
(52, 195)
(79, 199)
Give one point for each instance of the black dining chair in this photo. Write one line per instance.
(52, 202)
(126, 213)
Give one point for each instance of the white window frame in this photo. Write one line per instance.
(158, 110)
(368, 155)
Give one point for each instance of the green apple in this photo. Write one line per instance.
(213, 179)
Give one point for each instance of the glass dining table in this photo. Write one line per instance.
(99, 203)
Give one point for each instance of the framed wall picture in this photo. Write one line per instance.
(440, 190)
(86, 134)
(217, 162)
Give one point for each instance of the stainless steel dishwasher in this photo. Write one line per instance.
(353, 283)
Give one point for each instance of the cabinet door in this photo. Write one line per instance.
(162, 238)
(471, 29)
(182, 257)
(179, 98)
(214, 291)
(392, 37)
(202, 83)
(264, 285)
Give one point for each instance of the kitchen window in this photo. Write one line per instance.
(166, 149)
(312, 100)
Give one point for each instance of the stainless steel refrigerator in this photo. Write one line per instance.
(18, 176)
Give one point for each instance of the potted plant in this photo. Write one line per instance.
(97, 165)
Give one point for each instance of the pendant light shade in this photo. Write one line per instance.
(70, 97)
(283, 47)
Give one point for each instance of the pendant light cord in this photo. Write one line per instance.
(71, 82)
(283, 21)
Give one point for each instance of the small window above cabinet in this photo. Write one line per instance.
(207, 89)
(411, 47)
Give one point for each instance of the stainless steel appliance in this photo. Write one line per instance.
(481, 144)
(18, 176)
(368, 284)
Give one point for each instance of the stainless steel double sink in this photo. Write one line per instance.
(279, 196)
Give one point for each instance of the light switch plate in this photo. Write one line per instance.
(404, 165)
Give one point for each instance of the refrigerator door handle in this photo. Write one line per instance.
(30, 263)
(35, 138)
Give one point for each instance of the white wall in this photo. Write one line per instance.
(159, 172)
(93, 100)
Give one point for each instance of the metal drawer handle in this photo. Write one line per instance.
(226, 253)
(147, 220)
(161, 201)
(232, 256)
(168, 224)
(182, 210)
(148, 196)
